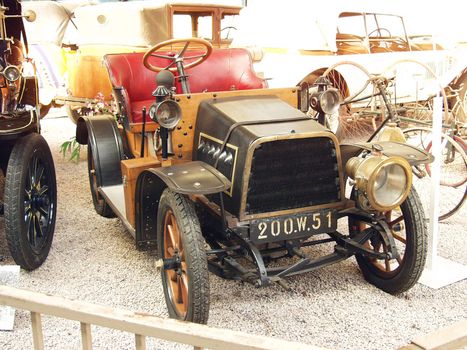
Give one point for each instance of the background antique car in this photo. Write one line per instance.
(70, 67)
(334, 31)
(226, 176)
(28, 194)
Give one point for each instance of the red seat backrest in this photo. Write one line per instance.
(224, 70)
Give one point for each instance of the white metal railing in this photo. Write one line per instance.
(142, 325)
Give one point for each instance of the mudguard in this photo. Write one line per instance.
(189, 178)
(412, 154)
(102, 135)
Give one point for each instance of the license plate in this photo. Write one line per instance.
(292, 226)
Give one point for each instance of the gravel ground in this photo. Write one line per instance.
(93, 259)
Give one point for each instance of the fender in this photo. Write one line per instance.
(189, 178)
(411, 154)
(102, 135)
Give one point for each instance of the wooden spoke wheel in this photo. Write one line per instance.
(408, 229)
(181, 246)
(30, 201)
(177, 278)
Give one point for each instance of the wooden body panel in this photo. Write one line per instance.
(131, 168)
(183, 134)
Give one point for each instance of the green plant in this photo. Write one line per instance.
(71, 147)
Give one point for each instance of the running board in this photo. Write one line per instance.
(115, 198)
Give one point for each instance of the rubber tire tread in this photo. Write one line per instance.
(195, 255)
(100, 205)
(16, 234)
(415, 254)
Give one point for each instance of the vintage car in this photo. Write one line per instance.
(338, 32)
(28, 192)
(70, 64)
(220, 174)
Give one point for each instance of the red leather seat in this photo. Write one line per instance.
(224, 70)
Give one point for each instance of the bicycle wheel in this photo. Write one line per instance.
(453, 162)
(453, 174)
(459, 110)
(419, 111)
(453, 171)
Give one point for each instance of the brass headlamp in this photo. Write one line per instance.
(383, 181)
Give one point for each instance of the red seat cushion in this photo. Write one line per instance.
(224, 70)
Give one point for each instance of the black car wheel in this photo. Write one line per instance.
(185, 274)
(30, 201)
(100, 205)
(409, 231)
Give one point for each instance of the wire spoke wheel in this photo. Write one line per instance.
(30, 201)
(181, 246)
(407, 227)
(37, 203)
(453, 171)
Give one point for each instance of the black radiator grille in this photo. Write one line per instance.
(294, 173)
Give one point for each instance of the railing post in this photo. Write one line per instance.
(86, 338)
(37, 336)
(140, 341)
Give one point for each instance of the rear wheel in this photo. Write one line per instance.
(100, 205)
(181, 245)
(30, 201)
(408, 229)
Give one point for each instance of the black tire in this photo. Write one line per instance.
(30, 201)
(411, 245)
(100, 204)
(186, 288)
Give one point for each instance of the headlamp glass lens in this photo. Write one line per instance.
(166, 113)
(11, 73)
(390, 184)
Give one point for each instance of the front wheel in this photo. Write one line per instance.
(30, 201)
(181, 246)
(408, 228)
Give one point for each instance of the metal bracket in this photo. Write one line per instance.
(377, 223)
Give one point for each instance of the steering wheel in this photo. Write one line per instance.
(379, 32)
(179, 57)
(228, 28)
